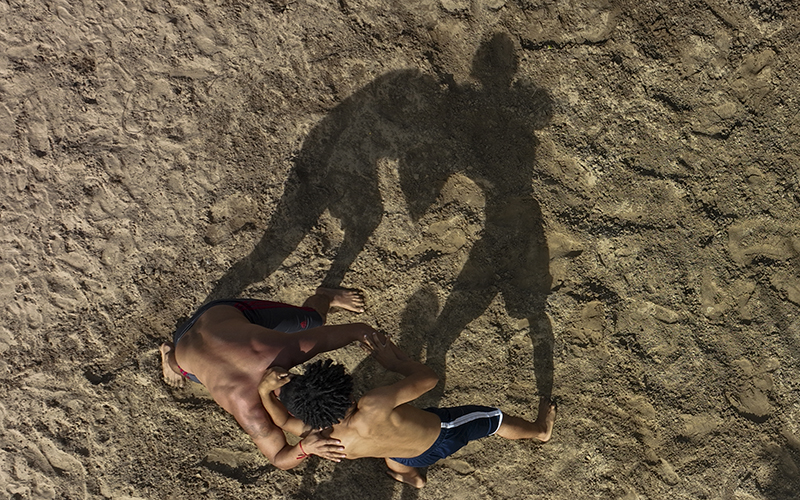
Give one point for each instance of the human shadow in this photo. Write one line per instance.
(485, 133)
(336, 170)
(496, 124)
(433, 128)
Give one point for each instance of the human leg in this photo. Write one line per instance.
(405, 473)
(278, 316)
(541, 429)
(325, 298)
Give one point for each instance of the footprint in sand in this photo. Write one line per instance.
(229, 216)
(752, 239)
(752, 385)
(788, 286)
(718, 301)
(643, 416)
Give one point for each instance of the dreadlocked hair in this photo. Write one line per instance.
(321, 396)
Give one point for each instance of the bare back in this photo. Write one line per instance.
(404, 432)
(229, 355)
(224, 350)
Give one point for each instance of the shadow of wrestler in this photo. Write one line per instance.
(494, 126)
(336, 170)
(488, 133)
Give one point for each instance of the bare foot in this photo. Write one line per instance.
(170, 377)
(412, 478)
(546, 419)
(350, 300)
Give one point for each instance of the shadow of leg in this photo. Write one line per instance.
(541, 333)
(297, 212)
(360, 212)
(472, 293)
(419, 317)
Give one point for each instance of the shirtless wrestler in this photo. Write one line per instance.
(228, 345)
(382, 423)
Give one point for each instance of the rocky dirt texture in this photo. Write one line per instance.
(596, 198)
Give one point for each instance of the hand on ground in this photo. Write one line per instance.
(383, 349)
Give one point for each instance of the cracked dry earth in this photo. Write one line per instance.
(593, 198)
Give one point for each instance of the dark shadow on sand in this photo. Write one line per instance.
(434, 128)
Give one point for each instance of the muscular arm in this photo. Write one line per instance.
(247, 409)
(418, 380)
(308, 343)
(281, 417)
(269, 438)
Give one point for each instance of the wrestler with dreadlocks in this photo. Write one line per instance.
(382, 423)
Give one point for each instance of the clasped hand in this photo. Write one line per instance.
(317, 443)
(274, 378)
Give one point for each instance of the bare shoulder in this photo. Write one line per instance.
(370, 419)
(377, 401)
(250, 414)
(258, 427)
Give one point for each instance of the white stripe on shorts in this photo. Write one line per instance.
(469, 417)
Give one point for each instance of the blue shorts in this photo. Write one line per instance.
(273, 315)
(460, 425)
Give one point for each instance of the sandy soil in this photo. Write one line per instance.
(598, 198)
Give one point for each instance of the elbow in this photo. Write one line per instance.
(432, 379)
(280, 464)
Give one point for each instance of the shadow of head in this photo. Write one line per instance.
(483, 131)
(495, 62)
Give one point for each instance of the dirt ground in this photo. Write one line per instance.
(594, 198)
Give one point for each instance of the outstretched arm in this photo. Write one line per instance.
(418, 380)
(301, 346)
